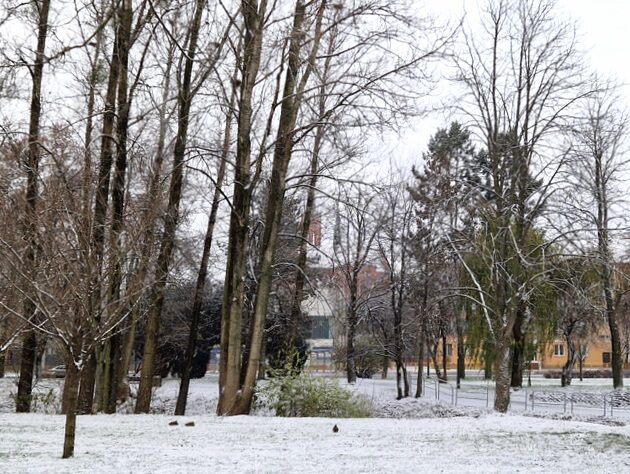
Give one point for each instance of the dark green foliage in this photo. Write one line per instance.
(174, 331)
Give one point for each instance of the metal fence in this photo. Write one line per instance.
(614, 404)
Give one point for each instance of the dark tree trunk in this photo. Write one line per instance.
(420, 364)
(518, 349)
(351, 368)
(567, 369)
(171, 219)
(112, 364)
(70, 387)
(309, 207)
(27, 369)
(88, 380)
(433, 353)
(385, 367)
(71, 398)
(291, 100)
(101, 202)
(180, 408)
(488, 360)
(461, 350)
(29, 342)
(232, 309)
(444, 357)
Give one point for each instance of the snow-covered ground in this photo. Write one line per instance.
(404, 436)
(146, 443)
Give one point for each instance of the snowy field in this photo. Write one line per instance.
(406, 436)
(147, 444)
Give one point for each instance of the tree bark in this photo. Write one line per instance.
(420, 364)
(29, 342)
(232, 309)
(88, 380)
(567, 369)
(70, 387)
(461, 349)
(502, 375)
(97, 241)
(72, 381)
(352, 319)
(291, 100)
(518, 349)
(444, 356)
(112, 363)
(309, 207)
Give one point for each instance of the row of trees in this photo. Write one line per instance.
(512, 240)
(142, 112)
(146, 117)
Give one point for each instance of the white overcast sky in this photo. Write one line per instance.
(604, 35)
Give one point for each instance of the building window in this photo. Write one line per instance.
(558, 350)
(320, 327)
(606, 357)
(449, 350)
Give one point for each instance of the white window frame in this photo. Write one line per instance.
(560, 352)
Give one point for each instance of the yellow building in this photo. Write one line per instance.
(552, 356)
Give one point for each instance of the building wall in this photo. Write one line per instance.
(549, 357)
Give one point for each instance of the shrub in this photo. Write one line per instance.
(366, 357)
(301, 395)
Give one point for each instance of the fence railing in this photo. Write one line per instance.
(615, 404)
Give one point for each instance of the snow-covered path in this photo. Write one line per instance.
(146, 443)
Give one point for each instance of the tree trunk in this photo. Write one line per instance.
(29, 344)
(351, 369)
(232, 309)
(420, 364)
(444, 357)
(291, 100)
(615, 340)
(71, 397)
(518, 349)
(309, 207)
(171, 219)
(567, 369)
(149, 217)
(488, 360)
(180, 408)
(27, 366)
(88, 380)
(399, 381)
(97, 240)
(70, 387)
(384, 367)
(603, 242)
(112, 363)
(433, 353)
(502, 375)
(461, 349)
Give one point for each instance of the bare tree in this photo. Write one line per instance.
(354, 244)
(31, 166)
(186, 93)
(394, 247)
(597, 164)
